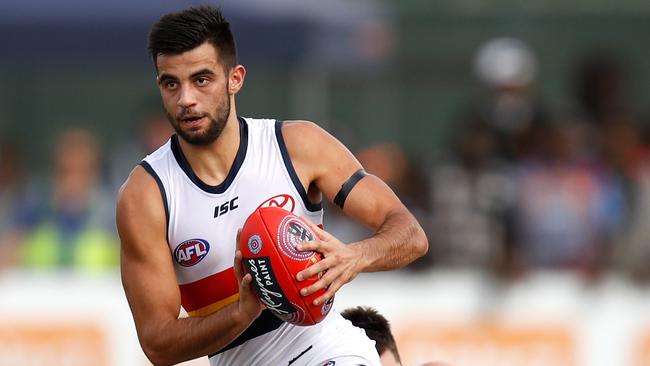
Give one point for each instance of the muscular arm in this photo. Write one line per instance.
(150, 283)
(323, 162)
(398, 239)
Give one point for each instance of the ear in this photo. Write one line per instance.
(236, 79)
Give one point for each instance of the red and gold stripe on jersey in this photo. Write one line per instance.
(209, 294)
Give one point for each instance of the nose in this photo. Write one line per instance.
(186, 97)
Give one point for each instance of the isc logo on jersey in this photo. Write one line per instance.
(191, 252)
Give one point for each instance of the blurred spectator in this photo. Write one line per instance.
(627, 155)
(632, 252)
(153, 130)
(13, 202)
(601, 87)
(602, 94)
(623, 148)
(568, 206)
(471, 194)
(623, 151)
(390, 163)
(74, 221)
(470, 201)
(507, 67)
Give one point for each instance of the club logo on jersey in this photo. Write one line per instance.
(293, 232)
(191, 252)
(284, 201)
(255, 244)
(267, 286)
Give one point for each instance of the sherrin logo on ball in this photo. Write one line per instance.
(268, 243)
(292, 232)
(191, 252)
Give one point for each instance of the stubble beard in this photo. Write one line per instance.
(211, 133)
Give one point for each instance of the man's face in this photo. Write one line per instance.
(194, 90)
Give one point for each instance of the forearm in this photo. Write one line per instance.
(183, 339)
(399, 240)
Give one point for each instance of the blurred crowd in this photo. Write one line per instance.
(65, 218)
(525, 188)
(521, 188)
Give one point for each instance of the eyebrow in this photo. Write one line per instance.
(202, 72)
(167, 77)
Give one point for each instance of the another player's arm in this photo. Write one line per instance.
(150, 284)
(321, 160)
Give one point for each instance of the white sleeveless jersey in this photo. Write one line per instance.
(202, 224)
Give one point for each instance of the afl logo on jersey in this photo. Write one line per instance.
(191, 252)
(284, 201)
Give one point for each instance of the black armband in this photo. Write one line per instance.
(346, 187)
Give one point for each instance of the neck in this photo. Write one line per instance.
(211, 163)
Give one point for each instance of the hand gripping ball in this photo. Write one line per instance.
(268, 244)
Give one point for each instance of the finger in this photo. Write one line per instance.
(322, 234)
(315, 287)
(313, 270)
(237, 266)
(331, 290)
(321, 283)
(238, 235)
(306, 246)
(246, 281)
(246, 289)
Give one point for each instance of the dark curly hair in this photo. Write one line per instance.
(179, 32)
(376, 326)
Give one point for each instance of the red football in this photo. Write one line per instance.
(268, 244)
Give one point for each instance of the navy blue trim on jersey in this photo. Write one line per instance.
(300, 355)
(147, 167)
(239, 159)
(264, 323)
(313, 207)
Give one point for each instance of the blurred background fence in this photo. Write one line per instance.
(384, 71)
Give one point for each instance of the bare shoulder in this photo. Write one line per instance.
(140, 211)
(309, 143)
(139, 186)
(318, 157)
(305, 135)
